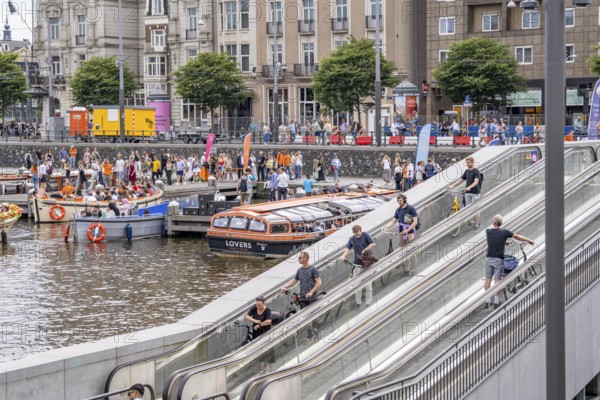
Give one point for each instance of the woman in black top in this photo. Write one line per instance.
(260, 318)
(320, 169)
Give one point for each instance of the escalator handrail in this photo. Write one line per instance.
(318, 359)
(216, 363)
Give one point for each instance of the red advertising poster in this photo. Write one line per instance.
(411, 105)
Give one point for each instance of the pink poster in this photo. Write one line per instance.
(162, 118)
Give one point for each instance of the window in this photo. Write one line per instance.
(54, 28)
(443, 55)
(156, 66)
(245, 56)
(491, 22)
(191, 112)
(570, 17)
(155, 88)
(230, 15)
(222, 222)
(309, 108)
(139, 99)
(524, 54)
(239, 223)
(570, 53)
(230, 49)
(81, 25)
(276, 15)
(245, 13)
(447, 25)
(308, 10)
(158, 37)
(374, 10)
(55, 65)
(341, 9)
(192, 54)
(279, 228)
(158, 7)
(530, 19)
(279, 53)
(283, 104)
(257, 226)
(81, 57)
(192, 18)
(339, 44)
(308, 52)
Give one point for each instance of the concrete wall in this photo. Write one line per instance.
(524, 375)
(356, 162)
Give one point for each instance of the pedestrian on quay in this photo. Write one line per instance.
(496, 242)
(298, 166)
(251, 182)
(408, 223)
(73, 156)
(308, 184)
(320, 168)
(283, 181)
(363, 244)
(387, 171)
(336, 164)
(243, 188)
(272, 184)
(106, 173)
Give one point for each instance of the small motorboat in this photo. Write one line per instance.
(9, 214)
(111, 228)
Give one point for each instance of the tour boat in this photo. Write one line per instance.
(281, 228)
(9, 217)
(99, 229)
(63, 210)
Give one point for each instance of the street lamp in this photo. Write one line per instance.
(378, 17)
(121, 80)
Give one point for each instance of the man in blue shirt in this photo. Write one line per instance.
(308, 185)
(361, 242)
(408, 222)
(272, 177)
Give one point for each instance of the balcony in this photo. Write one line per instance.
(79, 40)
(371, 22)
(339, 24)
(267, 72)
(305, 69)
(275, 28)
(306, 27)
(191, 34)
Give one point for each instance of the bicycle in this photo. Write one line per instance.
(454, 232)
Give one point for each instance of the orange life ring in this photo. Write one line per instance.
(92, 233)
(67, 230)
(57, 216)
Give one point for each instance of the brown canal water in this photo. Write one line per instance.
(55, 294)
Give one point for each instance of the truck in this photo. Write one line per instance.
(139, 123)
(200, 133)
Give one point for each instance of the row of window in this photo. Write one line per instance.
(490, 21)
(524, 54)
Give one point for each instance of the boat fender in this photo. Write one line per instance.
(57, 212)
(96, 233)
(129, 232)
(67, 230)
(4, 237)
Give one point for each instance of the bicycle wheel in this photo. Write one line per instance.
(454, 232)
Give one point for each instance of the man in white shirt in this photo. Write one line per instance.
(120, 167)
(282, 184)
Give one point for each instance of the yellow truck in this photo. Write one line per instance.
(139, 123)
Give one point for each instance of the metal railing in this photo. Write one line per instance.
(305, 69)
(339, 24)
(191, 34)
(371, 22)
(79, 39)
(125, 390)
(307, 26)
(275, 28)
(268, 72)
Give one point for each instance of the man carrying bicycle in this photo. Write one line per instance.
(473, 179)
(361, 242)
(408, 223)
(309, 279)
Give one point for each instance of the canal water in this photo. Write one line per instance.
(56, 294)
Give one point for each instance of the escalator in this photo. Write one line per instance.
(223, 336)
(337, 315)
(429, 314)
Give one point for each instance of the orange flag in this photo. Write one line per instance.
(247, 141)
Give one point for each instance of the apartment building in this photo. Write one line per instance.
(523, 32)
(161, 35)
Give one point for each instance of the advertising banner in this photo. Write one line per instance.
(423, 145)
(594, 113)
(162, 116)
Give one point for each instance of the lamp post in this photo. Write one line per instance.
(378, 73)
(276, 68)
(49, 61)
(121, 83)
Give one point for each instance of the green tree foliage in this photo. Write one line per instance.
(481, 68)
(96, 82)
(211, 80)
(345, 80)
(595, 61)
(13, 81)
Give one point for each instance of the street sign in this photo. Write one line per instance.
(467, 102)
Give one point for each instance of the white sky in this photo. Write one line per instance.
(18, 27)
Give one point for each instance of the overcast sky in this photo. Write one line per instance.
(18, 27)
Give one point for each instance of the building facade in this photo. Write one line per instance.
(522, 31)
(160, 35)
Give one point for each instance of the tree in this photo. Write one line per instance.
(346, 79)
(96, 81)
(211, 80)
(13, 82)
(482, 69)
(595, 61)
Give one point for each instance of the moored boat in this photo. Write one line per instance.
(95, 229)
(63, 210)
(281, 228)
(8, 216)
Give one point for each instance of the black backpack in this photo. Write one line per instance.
(243, 185)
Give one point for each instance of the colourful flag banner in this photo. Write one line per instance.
(423, 144)
(209, 144)
(594, 120)
(247, 141)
